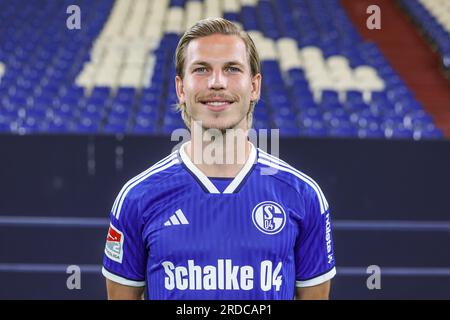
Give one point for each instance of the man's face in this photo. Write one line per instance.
(217, 87)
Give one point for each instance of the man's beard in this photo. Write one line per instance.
(223, 131)
(222, 128)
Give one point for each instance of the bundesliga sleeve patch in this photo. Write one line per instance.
(114, 244)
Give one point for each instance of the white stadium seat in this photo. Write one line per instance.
(252, 3)
(194, 11)
(2, 70)
(232, 6)
(175, 20)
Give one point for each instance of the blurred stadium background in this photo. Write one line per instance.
(365, 112)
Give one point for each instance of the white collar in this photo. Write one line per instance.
(204, 180)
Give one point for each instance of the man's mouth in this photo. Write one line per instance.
(217, 105)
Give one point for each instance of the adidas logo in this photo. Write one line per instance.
(177, 218)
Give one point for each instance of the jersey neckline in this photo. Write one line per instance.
(206, 183)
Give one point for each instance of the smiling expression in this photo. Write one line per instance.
(217, 86)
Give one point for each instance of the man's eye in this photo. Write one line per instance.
(200, 70)
(233, 69)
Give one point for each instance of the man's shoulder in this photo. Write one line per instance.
(144, 185)
(280, 170)
(273, 166)
(151, 179)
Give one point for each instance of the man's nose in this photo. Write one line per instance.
(217, 80)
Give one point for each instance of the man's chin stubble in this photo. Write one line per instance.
(222, 128)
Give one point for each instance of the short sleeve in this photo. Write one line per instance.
(314, 251)
(124, 259)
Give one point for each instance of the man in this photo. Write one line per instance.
(195, 228)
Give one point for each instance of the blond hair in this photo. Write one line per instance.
(207, 27)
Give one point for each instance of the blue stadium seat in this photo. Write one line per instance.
(391, 119)
(86, 125)
(5, 127)
(398, 132)
(334, 117)
(315, 130)
(115, 128)
(427, 133)
(93, 111)
(125, 94)
(330, 105)
(417, 119)
(365, 119)
(353, 97)
(292, 131)
(345, 131)
(329, 97)
(59, 125)
(34, 125)
(144, 129)
(260, 124)
(357, 106)
(371, 133)
(261, 115)
(100, 93)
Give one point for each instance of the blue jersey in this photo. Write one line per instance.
(186, 236)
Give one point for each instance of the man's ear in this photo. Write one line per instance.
(180, 89)
(256, 87)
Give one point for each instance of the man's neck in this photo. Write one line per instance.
(220, 157)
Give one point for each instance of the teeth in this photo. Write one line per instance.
(217, 103)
